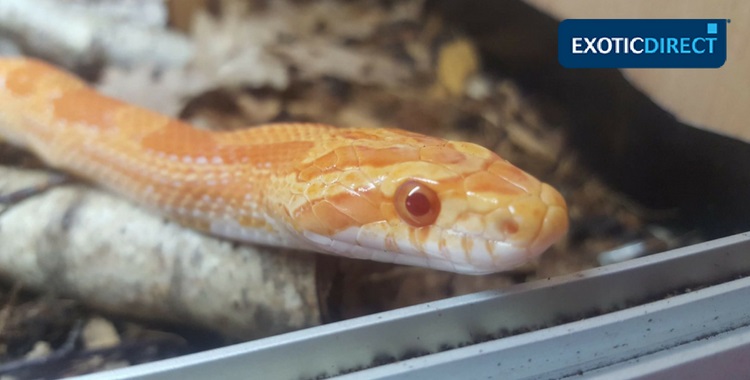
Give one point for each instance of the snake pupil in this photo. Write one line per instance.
(417, 203)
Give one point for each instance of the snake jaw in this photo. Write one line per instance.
(345, 244)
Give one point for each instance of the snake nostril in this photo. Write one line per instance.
(508, 226)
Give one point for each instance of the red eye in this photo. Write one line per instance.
(416, 203)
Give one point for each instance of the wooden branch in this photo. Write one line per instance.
(114, 256)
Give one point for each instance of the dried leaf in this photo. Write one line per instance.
(458, 60)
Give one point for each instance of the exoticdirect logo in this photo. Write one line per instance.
(642, 43)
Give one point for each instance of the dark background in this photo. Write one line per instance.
(624, 137)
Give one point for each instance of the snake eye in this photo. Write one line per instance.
(417, 204)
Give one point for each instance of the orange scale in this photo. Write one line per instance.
(510, 173)
(364, 208)
(440, 155)
(322, 218)
(276, 154)
(76, 107)
(485, 182)
(384, 157)
(24, 79)
(180, 139)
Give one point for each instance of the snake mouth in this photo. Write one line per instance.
(504, 256)
(334, 245)
(554, 226)
(555, 223)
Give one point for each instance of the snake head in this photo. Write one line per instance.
(410, 199)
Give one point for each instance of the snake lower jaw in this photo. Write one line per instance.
(485, 257)
(554, 227)
(328, 245)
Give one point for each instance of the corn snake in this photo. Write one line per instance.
(381, 194)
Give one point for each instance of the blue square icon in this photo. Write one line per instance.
(711, 28)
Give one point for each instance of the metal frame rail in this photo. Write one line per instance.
(669, 315)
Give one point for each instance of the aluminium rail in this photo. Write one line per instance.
(669, 315)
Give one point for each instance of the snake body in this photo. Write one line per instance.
(381, 194)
